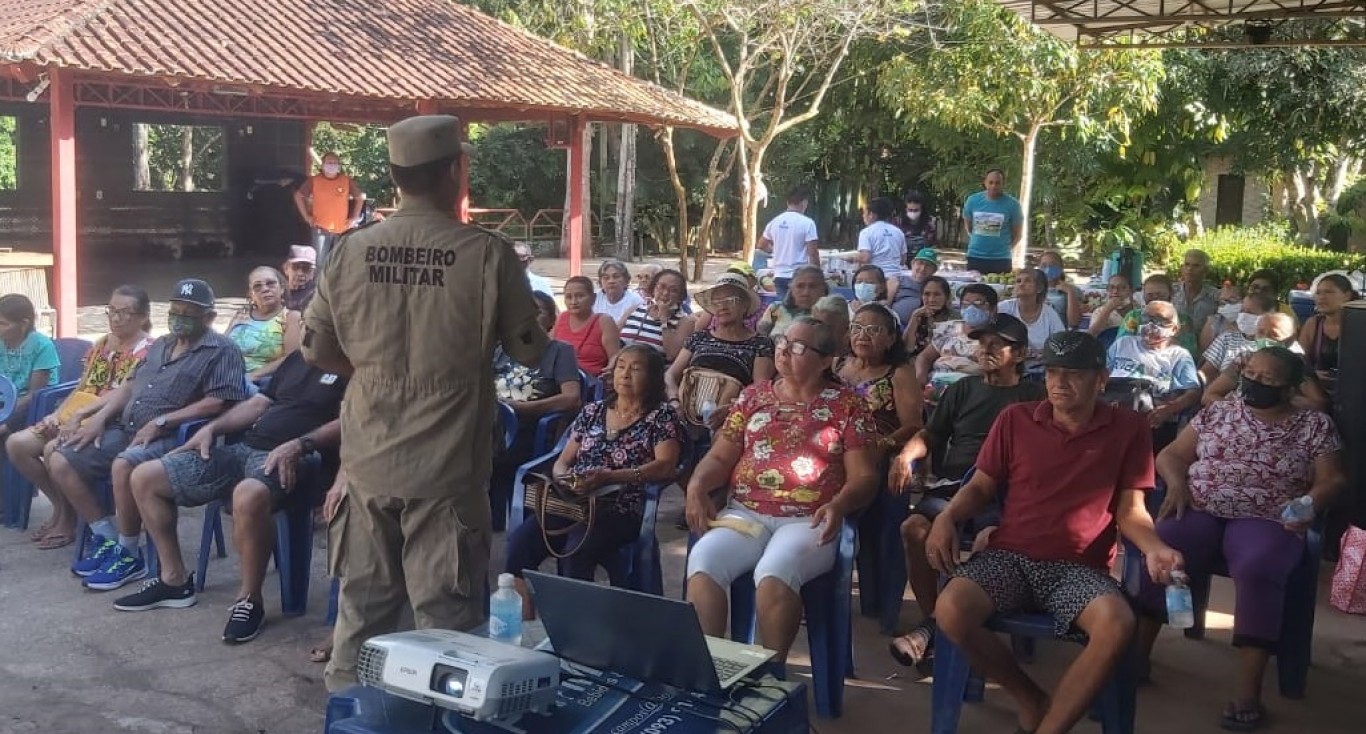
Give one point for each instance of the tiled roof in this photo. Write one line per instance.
(382, 49)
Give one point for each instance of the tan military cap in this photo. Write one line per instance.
(424, 139)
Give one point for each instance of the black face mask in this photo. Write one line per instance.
(1261, 395)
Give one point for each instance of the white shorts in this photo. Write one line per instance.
(788, 549)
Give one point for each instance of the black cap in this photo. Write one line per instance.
(193, 290)
(1005, 326)
(1074, 350)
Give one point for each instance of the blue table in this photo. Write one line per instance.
(600, 703)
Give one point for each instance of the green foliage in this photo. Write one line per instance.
(9, 153)
(512, 169)
(364, 153)
(1236, 252)
(166, 158)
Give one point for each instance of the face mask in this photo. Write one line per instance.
(865, 291)
(913, 216)
(1052, 272)
(1247, 323)
(1265, 342)
(1153, 332)
(1230, 311)
(975, 316)
(1260, 395)
(331, 169)
(185, 326)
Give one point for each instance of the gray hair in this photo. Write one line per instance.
(614, 265)
(1040, 282)
(823, 334)
(1201, 254)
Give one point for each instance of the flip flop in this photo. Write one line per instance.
(1242, 719)
(42, 532)
(320, 654)
(56, 540)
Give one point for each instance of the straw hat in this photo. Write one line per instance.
(732, 281)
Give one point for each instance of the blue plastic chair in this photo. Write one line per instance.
(71, 352)
(881, 559)
(17, 490)
(1108, 337)
(293, 538)
(827, 601)
(9, 396)
(954, 681)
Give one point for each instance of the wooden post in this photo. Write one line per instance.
(574, 223)
(62, 128)
(462, 205)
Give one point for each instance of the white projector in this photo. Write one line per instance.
(475, 676)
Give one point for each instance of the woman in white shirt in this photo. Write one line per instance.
(1030, 305)
(615, 297)
(882, 244)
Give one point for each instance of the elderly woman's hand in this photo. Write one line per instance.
(1176, 502)
(833, 519)
(700, 511)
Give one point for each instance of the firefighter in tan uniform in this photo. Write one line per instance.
(412, 308)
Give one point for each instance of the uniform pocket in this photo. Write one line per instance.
(336, 539)
(469, 551)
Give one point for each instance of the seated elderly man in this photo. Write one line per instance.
(190, 374)
(1155, 366)
(300, 282)
(1077, 468)
(1273, 329)
(293, 416)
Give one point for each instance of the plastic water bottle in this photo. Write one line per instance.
(1180, 608)
(1298, 511)
(708, 408)
(505, 612)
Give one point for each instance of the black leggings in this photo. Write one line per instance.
(527, 548)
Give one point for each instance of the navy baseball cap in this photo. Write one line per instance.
(193, 290)
(1074, 350)
(1005, 326)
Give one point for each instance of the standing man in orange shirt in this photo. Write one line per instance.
(330, 201)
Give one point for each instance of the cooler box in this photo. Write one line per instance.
(1302, 303)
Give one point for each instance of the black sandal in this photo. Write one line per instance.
(919, 649)
(1236, 718)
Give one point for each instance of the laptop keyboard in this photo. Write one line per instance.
(726, 669)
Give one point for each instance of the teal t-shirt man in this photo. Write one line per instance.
(994, 221)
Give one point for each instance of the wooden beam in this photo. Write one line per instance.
(63, 133)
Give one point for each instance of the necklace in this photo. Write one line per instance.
(624, 420)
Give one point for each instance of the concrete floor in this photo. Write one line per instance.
(70, 663)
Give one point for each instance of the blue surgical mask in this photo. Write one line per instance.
(1052, 272)
(975, 316)
(865, 291)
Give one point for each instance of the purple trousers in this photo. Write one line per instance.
(1259, 555)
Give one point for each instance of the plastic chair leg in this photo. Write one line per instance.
(213, 530)
(892, 565)
(829, 650)
(1297, 628)
(951, 673)
(1200, 601)
(294, 558)
(742, 608)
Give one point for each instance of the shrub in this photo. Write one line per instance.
(1236, 252)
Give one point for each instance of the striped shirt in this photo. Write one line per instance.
(213, 368)
(641, 328)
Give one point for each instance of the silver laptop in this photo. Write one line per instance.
(642, 636)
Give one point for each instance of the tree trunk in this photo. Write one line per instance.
(716, 175)
(142, 154)
(1031, 141)
(1343, 173)
(626, 192)
(186, 182)
(751, 173)
(666, 144)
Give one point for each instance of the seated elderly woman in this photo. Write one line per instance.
(264, 329)
(1030, 305)
(662, 323)
(936, 307)
(730, 348)
(833, 311)
(1273, 329)
(631, 438)
(808, 286)
(1237, 336)
(1230, 474)
(796, 455)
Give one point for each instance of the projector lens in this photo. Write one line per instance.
(449, 681)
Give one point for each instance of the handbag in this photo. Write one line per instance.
(546, 497)
(1348, 593)
(701, 385)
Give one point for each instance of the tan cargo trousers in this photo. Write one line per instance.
(390, 551)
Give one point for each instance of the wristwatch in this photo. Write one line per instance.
(160, 422)
(307, 444)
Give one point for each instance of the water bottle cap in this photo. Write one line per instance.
(1180, 577)
(506, 580)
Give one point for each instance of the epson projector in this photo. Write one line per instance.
(475, 676)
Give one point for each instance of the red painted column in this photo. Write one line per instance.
(63, 132)
(462, 205)
(577, 206)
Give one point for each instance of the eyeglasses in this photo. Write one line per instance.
(526, 258)
(795, 348)
(872, 330)
(725, 301)
(120, 313)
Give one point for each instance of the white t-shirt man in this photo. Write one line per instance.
(790, 233)
(887, 245)
(1171, 368)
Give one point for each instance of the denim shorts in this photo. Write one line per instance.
(94, 463)
(198, 481)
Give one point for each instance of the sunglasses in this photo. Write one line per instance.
(795, 348)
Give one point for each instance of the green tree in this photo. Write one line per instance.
(9, 153)
(988, 69)
(364, 152)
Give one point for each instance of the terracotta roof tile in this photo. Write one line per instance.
(384, 49)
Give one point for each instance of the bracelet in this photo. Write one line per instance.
(637, 475)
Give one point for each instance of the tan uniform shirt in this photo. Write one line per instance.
(417, 303)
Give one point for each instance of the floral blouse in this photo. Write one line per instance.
(792, 458)
(880, 395)
(1245, 468)
(106, 369)
(633, 447)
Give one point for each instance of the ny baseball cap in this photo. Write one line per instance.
(424, 139)
(302, 254)
(1005, 326)
(193, 290)
(1074, 350)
